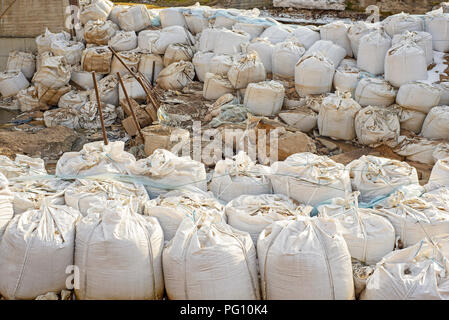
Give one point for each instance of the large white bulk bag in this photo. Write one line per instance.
(411, 120)
(401, 22)
(97, 59)
(336, 116)
(375, 126)
(113, 16)
(28, 99)
(96, 158)
(230, 42)
(176, 52)
(220, 64)
(89, 117)
(444, 87)
(377, 176)
(119, 254)
(23, 61)
(108, 90)
(176, 76)
(254, 30)
(372, 50)
(369, 237)
(284, 58)
(421, 38)
(146, 66)
(440, 173)
(168, 171)
(239, 176)
(309, 178)
(419, 96)
(305, 36)
(62, 117)
(99, 32)
(208, 38)
(21, 166)
(356, 31)
(169, 35)
(171, 208)
(35, 251)
(201, 62)
(43, 42)
(435, 125)
(134, 18)
(277, 33)
(404, 62)
(11, 82)
(264, 98)
(147, 38)
(337, 32)
(420, 149)
(73, 99)
(437, 24)
(71, 50)
(196, 20)
(333, 52)
(84, 79)
(346, 78)
(130, 58)
(246, 69)
(415, 273)
(264, 49)
(415, 219)
(6, 204)
(374, 92)
(302, 118)
(313, 74)
(96, 10)
(134, 89)
(215, 86)
(123, 41)
(253, 213)
(230, 257)
(172, 17)
(438, 197)
(305, 258)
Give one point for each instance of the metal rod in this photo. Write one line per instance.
(152, 72)
(105, 136)
(136, 122)
(6, 10)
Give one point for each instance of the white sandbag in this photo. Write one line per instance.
(21, 166)
(246, 69)
(168, 171)
(146, 66)
(108, 90)
(411, 120)
(84, 79)
(328, 49)
(134, 18)
(23, 61)
(172, 17)
(133, 88)
(171, 208)
(264, 98)
(147, 38)
(96, 158)
(438, 196)
(201, 62)
(28, 99)
(374, 92)
(376, 176)
(309, 178)
(302, 118)
(230, 257)
(123, 41)
(43, 42)
(418, 149)
(54, 72)
(337, 32)
(230, 42)
(113, 16)
(284, 58)
(176, 76)
(418, 96)
(336, 116)
(444, 87)
(97, 59)
(95, 10)
(71, 50)
(302, 259)
(372, 50)
(277, 33)
(377, 126)
(215, 86)
(239, 176)
(440, 173)
(254, 30)
(415, 273)
(313, 74)
(73, 99)
(220, 64)
(62, 117)
(346, 78)
(401, 22)
(208, 38)
(305, 36)
(119, 255)
(196, 20)
(264, 49)
(435, 125)
(89, 117)
(437, 24)
(369, 237)
(356, 31)
(404, 62)
(35, 242)
(415, 219)
(130, 58)
(176, 52)
(99, 32)
(421, 38)
(170, 35)
(6, 204)
(253, 213)
(11, 82)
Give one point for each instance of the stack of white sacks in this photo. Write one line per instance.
(304, 228)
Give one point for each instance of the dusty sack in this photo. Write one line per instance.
(313, 75)
(264, 98)
(374, 92)
(435, 124)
